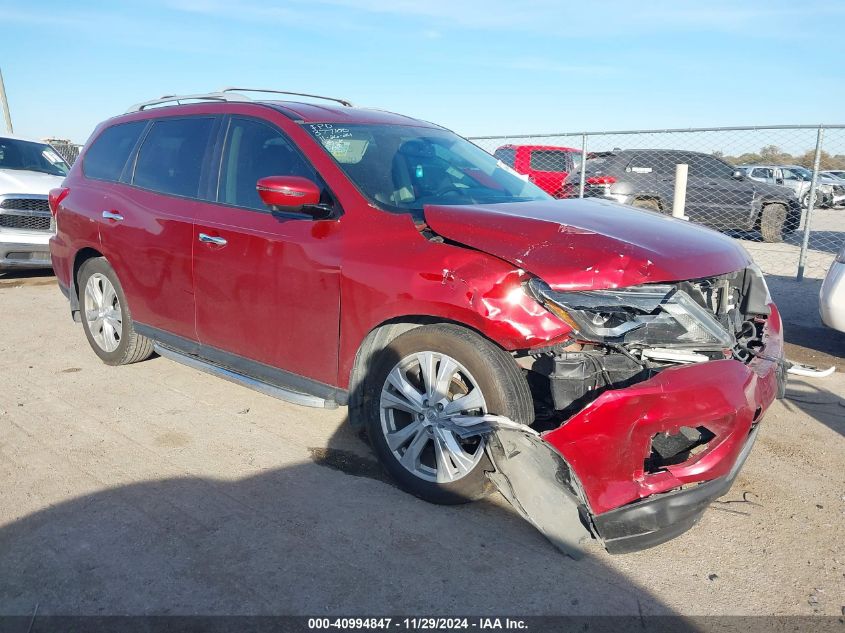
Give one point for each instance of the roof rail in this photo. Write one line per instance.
(342, 102)
(209, 96)
(226, 94)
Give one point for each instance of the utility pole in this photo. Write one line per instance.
(5, 104)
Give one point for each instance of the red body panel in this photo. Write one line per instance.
(151, 247)
(591, 244)
(272, 293)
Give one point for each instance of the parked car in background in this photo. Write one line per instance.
(838, 181)
(796, 178)
(331, 255)
(29, 169)
(545, 165)
(832, 294)
(717, 194)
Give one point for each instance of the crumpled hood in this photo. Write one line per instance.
(590, 244)
(24, 181)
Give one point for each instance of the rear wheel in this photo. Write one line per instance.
(420, 381)
(773, 222)
(106, 318)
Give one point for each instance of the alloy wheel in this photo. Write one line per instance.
(421, 394)
(102, 312)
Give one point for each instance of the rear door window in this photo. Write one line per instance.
(107, 156)
(172, 156)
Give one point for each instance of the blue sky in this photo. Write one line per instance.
(476, 66)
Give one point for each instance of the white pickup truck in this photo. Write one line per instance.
(28, 170)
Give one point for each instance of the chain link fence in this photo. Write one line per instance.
(67, 150)
(778, 189)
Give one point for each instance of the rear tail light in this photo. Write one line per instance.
(55, 198)
(600, 184)
(600, 180)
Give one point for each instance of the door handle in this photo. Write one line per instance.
(111, 215)
(210, 239)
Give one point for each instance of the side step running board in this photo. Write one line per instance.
(281, 393)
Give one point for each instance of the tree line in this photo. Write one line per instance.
(773, 155)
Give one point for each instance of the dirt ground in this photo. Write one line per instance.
(156, 489)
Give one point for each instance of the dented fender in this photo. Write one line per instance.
(428, 279)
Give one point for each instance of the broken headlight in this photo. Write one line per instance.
(658, 315)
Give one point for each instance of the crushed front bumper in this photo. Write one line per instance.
(662, 517)
(600, 456)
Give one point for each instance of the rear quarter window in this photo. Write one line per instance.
(107, 156)
(507, 155)
(652, 163)
(550, 160)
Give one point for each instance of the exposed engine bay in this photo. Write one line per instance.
(627, 335)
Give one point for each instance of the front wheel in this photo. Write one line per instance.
(420, 381)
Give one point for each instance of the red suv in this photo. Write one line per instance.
(547, 166)
(483, 333)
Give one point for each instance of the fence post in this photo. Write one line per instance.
(811, 203)
(679, 200)
(4, 103)
(583, 165)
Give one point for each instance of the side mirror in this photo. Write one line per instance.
(291, 193)
(738, 174)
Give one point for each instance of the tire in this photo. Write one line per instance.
(440, 467)
(773, 222)
(106, 318)
(805, 200)
(650, 204)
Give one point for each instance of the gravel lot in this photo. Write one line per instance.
(154, 488)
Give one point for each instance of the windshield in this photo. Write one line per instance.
(404, 168)
(16, 154)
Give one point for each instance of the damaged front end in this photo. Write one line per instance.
(647, 412)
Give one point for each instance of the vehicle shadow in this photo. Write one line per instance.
(36, 276)
(304, 539)
(813, 399)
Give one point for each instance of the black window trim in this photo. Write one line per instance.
(217, 160)
(207, 155)
(130, 158)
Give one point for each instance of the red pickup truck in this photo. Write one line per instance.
(547, 166)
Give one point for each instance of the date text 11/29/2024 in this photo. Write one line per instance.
(418, 623)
